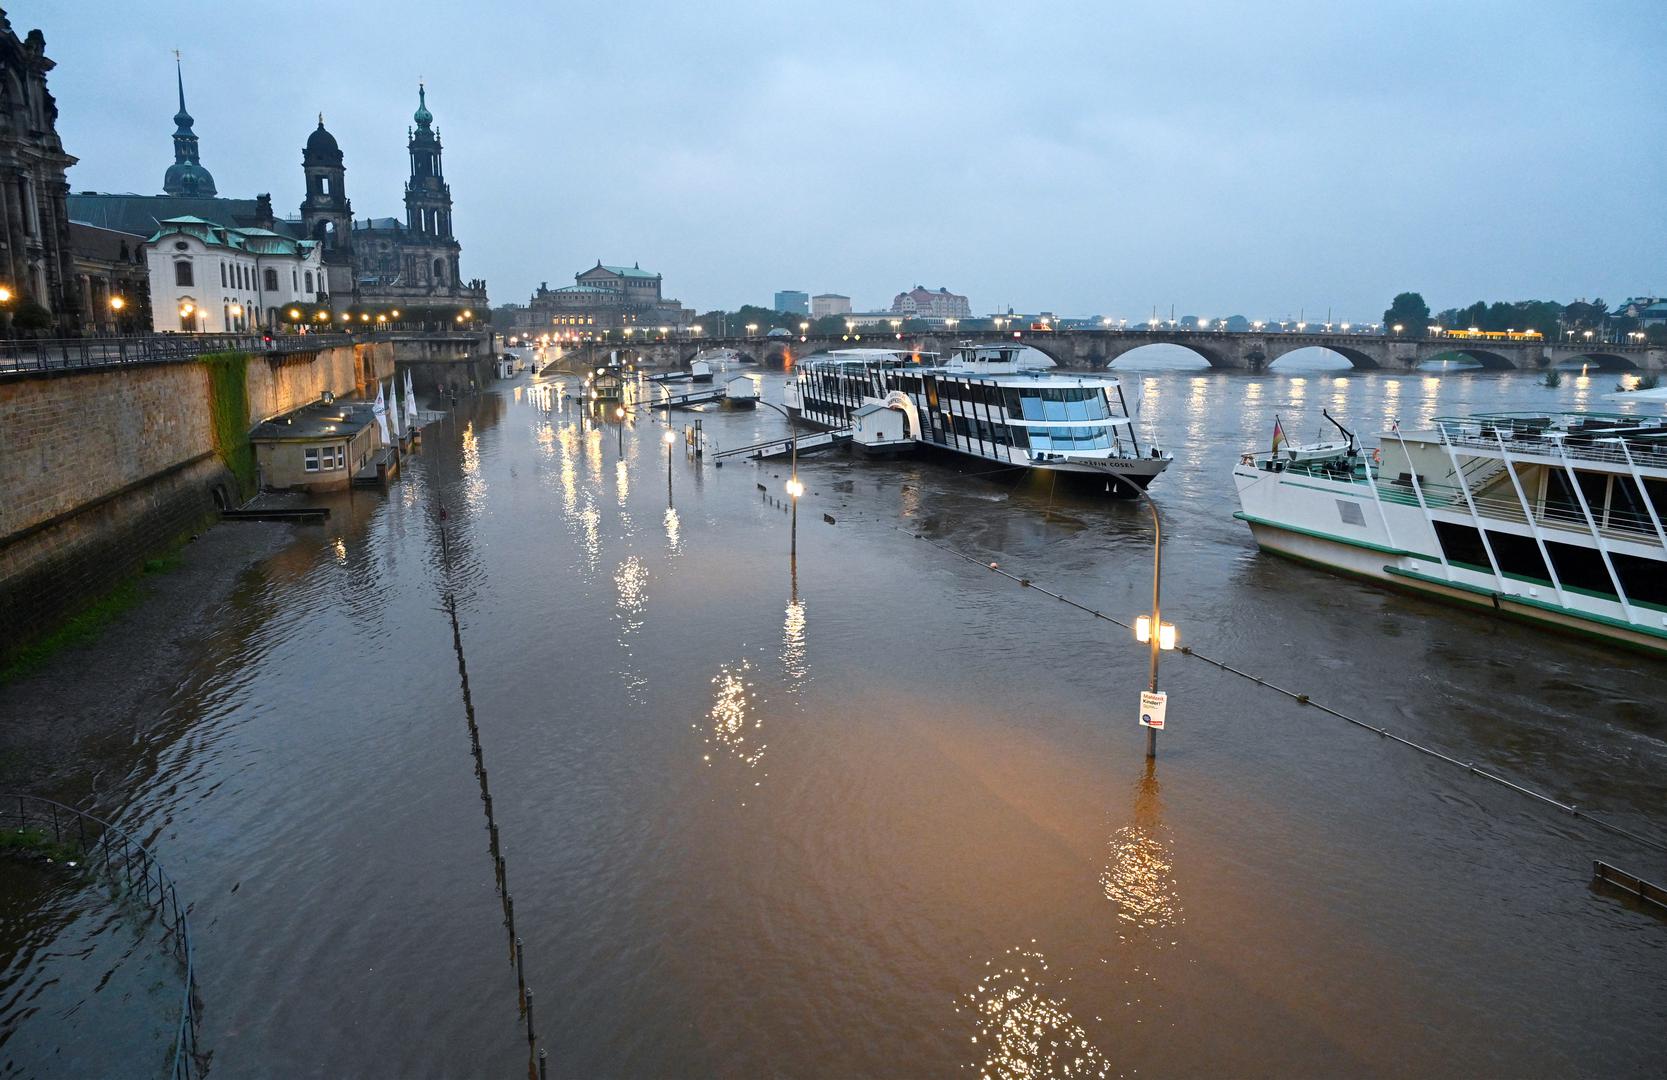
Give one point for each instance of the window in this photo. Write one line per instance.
(341, 457)
(309, 281)
(182, 273)
(222, 275)
(1350, 512)
(271, 280)
(311, 462)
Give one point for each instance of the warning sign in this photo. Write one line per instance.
(1152, 706)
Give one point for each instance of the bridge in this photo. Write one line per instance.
(1095, 349)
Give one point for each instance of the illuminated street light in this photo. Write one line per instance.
(1166, 635)
(117, 303)
(5, 295)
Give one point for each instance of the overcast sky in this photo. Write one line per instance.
(1084, 158)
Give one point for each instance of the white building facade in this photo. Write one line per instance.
(210, 279)
(824, 304)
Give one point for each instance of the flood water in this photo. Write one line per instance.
(874, 810)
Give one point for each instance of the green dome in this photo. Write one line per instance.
(422, 116)
(188, 178)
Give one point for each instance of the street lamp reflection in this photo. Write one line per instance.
(1139, 875)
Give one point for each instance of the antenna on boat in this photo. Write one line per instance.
(1346, 432)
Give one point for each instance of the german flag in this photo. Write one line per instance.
(1278, 435)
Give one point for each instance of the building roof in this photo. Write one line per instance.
(259, 241)
(830, 296)
(870, 409)
(585, 289)
(375, 223)
(110, 245)
(141, 214)
(321, 148)
(342, 419)
(624, 271)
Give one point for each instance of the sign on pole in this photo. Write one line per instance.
(1153, 703)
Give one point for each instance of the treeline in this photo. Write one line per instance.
(1548, 317)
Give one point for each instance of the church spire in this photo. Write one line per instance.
(186, 176)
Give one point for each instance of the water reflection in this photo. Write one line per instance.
(794, 668)
(733, 724)
(474, 484)
(674, 536)
(1022, 1030)
(1139, 878)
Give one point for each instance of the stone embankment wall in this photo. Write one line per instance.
(102, 469)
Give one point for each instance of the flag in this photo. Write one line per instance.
(393, 407)
(1278, 435)
(410, 403)
(379, 409)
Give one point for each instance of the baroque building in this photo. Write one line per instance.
(605, 298)
(37, 262)
(923, 303)
(373, 264)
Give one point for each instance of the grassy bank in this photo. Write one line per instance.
(89, 621)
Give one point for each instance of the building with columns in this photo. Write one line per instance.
(605, 298)
(36, 261)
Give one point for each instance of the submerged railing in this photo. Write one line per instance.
(128, 864)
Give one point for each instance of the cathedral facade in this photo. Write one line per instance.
(384, 262)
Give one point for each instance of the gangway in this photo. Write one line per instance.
(689, 399)
(782, 447)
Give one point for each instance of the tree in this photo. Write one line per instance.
(1408, 311)
(828, 326)
(31, 316)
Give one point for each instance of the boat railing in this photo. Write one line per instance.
(1596, 445)
(1616, 525)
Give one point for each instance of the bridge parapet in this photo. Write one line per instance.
(1092, 349)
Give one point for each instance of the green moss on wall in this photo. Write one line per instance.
(228, 393)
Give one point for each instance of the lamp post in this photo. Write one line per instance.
(670, 438)
(794, 488)
(619, 414)
(1151, 628)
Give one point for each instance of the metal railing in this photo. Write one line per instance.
(57, 354)
(128, 864)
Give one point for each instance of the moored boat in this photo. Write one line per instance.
(1555, 519)
(988, 402)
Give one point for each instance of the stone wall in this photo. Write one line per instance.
(102, 469)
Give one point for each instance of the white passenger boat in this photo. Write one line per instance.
(987, 403)
(1557, 519)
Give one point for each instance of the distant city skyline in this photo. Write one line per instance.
(1205, 157)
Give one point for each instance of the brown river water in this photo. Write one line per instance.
(873, 810)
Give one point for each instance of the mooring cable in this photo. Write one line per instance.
(1293, 695)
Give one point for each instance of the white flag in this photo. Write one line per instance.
(410, 402)
(379, 409)
(393, 407)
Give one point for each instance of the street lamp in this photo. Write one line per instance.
(1144, 624)
(5, 295)
(619, 414)
(752, 328)
(117, 303)
(1398, 329)
(794, 488)
(670, 438)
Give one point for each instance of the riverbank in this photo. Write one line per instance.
(64, 721)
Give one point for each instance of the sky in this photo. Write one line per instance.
(1102, 158)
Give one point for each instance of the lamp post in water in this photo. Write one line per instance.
(794, 488)
(619, 414)
(671, 439)
(1159, 634)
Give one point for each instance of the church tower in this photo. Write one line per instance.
(326, 215)
(186, 176)
(427, 195)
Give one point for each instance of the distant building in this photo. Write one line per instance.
(830, 303)
(605, 298)
(863, 319)
(206, 278)
(792, 302)
(37, 264)
(377, 263)
(923, 303)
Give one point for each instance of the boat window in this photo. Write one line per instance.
(1031, 407)
(1626, 507)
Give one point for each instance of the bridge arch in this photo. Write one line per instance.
(1599, 360)
(1355, 358)
(1211, 359)
(1490, 361)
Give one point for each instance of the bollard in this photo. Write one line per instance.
(543, 1064)
(520, 971)
(509, 913)
(531, 1037)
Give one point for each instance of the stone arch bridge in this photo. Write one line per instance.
(1094, 349)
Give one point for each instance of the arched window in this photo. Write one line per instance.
(182, 273)
(309, 281)
(439, 270)
(271, 279)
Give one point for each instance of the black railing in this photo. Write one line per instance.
(57, 354)
(126, 864)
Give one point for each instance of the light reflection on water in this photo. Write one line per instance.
(1139, 878)
(733, 723)
(1023, 1028)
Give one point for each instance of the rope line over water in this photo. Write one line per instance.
(1300, 698)
(538, 1058)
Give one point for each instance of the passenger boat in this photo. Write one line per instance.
(1556, 519)
(988, 403)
